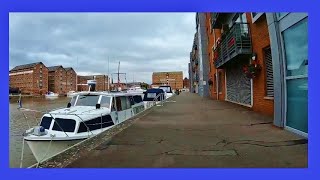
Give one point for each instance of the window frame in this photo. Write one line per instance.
(266, 73)
(256, 17)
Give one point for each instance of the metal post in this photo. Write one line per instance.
(108, 76)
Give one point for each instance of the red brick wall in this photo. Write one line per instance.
(30, 83)
(102, 82)
(40, 77)
(178, 76)
(213, 35)
(58, 81)
(71, 80)
(22, 81)
(260, 40)
(186, 83)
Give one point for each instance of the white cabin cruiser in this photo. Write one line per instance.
(51, 95)
(87, 114)
(136, 89)
(168, 90)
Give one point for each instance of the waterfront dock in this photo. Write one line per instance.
(190, 131)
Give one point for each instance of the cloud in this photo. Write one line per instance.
(143, 42)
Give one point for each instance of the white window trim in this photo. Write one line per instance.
(254, 19)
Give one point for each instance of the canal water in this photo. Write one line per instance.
(18, 124)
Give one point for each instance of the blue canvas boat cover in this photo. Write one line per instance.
(150, 94)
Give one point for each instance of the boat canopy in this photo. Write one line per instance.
(150, 94)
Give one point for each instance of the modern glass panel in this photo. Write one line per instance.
(296, 48)
(280, 15)
(297, 104)
(296, 56)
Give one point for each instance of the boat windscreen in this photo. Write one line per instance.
(87, 100)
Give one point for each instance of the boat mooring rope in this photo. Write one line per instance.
(22, 153)
(45, 153)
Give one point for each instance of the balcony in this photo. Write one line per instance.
(236, 43)
(217, 19)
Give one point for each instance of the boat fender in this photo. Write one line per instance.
(27, 132)
(39, 131)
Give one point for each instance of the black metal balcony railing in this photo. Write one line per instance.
(217, 19)
(236, 42)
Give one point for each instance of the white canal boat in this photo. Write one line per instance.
(87, 114)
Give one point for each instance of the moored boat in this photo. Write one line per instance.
(86, 115)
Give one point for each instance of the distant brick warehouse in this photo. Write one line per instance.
(186, 83)
(30, 78)
(71, 79)
(175, 79)
(102, 82)
(57, 80)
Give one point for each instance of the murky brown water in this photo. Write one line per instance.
(18, 125)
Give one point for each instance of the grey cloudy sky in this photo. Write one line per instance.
(143, 42)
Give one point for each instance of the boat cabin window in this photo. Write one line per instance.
(105, 101)
(87, 100)
(97, 123)
(125, 103)
(113, 105)
(46, 122)
(151, 95)
(166, 89)
(118, 104)
(137, 99)
(66, 125)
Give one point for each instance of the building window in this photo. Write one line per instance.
(255, 16)
(281, 15)
(269, 72)
(296, 49)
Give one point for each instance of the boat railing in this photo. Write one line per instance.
(162, 99)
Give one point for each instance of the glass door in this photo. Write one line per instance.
(295, 41)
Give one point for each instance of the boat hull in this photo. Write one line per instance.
(43, 150)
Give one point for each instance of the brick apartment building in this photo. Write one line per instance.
(174, 79)
(29, 78)
(235, 44)
(228, 55)
(102, 82)
(71, 79)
